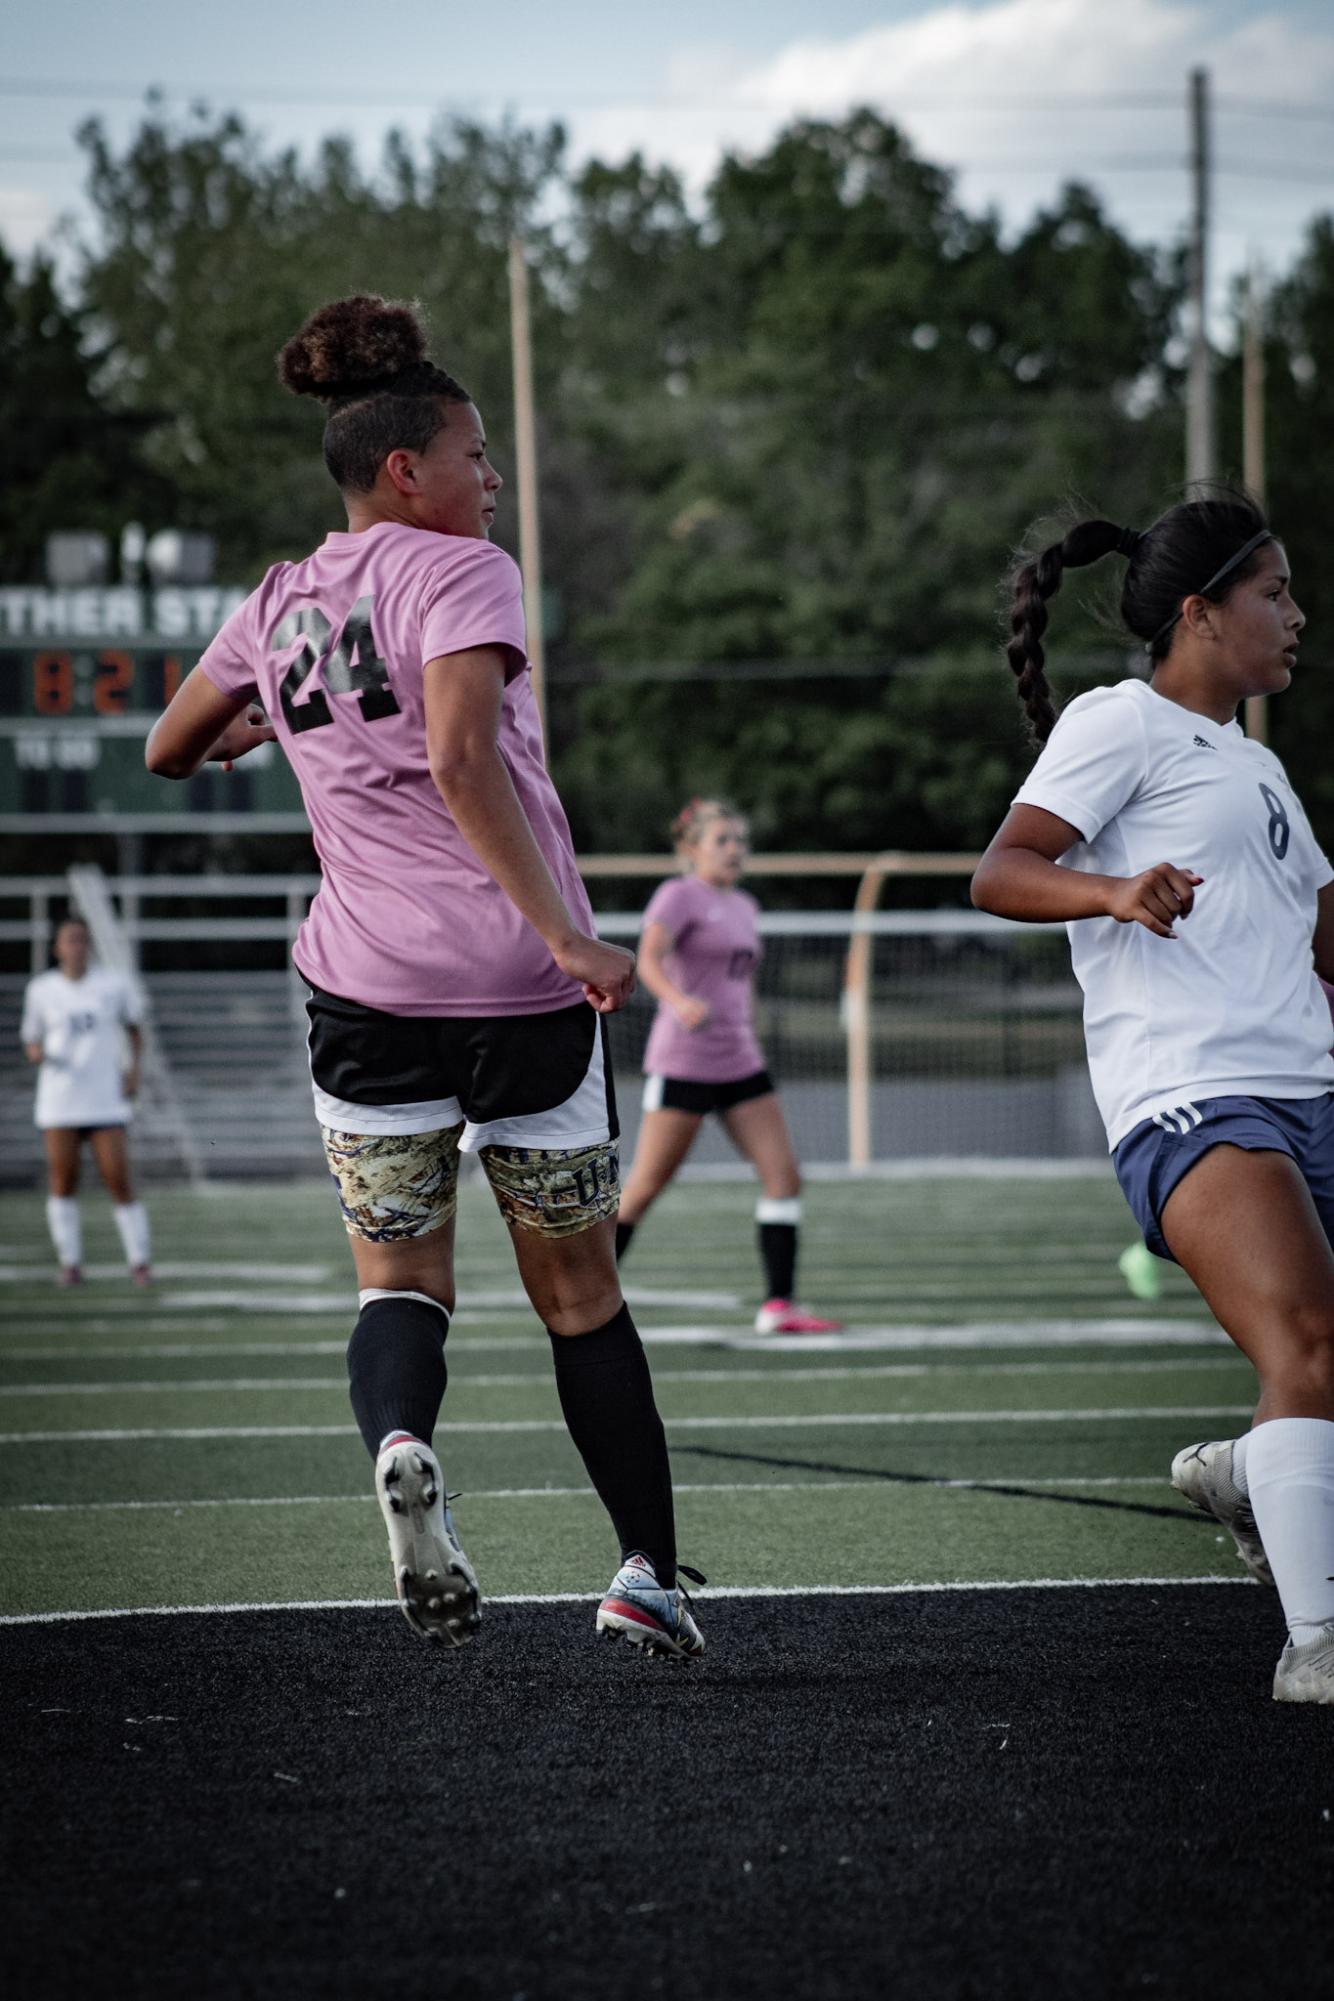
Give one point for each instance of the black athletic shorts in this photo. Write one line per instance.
(540, 1081)
(686, 1094)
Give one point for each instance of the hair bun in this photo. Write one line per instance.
(352, 345)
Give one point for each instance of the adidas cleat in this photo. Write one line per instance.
(1203, 1473)
(437, 1589)
(638, 1609)
(1306, 1673)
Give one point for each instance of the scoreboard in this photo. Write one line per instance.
(83, 677)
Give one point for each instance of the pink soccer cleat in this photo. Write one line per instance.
(141, 1275)
(70, 1275)
(782, 1316)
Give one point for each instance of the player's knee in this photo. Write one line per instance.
(574, 1304)
(1305, 1361)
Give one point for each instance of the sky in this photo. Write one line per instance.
(1014, 95)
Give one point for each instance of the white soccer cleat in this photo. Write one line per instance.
(1306, 1673)
(1203, 1473)
(638, 1609)
(436, 1587)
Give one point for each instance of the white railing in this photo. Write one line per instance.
(948, 1025)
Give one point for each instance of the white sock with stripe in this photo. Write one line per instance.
(132, 1225)
(62, 1220)
(1290, 1477)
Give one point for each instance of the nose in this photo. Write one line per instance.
(493, 480)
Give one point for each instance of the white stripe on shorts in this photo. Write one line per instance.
(580, 1121)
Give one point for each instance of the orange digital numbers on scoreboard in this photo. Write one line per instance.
(52, 684)
(115, 672)
(172, 676)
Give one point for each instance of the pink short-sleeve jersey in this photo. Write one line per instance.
(407, 919)
(715, 950)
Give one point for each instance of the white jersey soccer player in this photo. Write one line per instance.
(1200, 911)
(80, 1023)
(1238, 1010)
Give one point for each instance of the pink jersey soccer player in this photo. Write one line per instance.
(456, 983)
(698, 956)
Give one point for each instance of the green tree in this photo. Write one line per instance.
(210, 252)
(876, 395)
(72, 460)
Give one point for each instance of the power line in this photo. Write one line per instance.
(123, 91)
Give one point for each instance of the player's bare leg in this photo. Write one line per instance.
(112, 1156)
(665, 1138)
(758, 1131)
(1245, 1228)
(62, 1207)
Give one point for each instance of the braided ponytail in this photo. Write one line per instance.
(1037, 579)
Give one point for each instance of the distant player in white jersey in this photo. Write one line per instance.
(1200, 911)
(77, 1021)
(457, 984)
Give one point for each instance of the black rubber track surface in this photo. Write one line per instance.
(1048, 1793)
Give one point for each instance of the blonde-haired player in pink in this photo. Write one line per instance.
(457, 984)
(697, 956)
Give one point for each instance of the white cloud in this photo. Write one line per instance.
(26, 219)
(975, 87)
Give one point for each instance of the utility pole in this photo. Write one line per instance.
(1201, 444)
(1253, 442)
(525, 453)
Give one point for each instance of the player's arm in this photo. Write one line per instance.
(30, 1028)
(1019, 876)
(134, 1036)
(201, 725)
(1323, 941)
(463, 697)
(654, 946)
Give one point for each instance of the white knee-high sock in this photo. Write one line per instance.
(132, 1223)
(1290, 1474)
(1240, 1448)
(62, 1220)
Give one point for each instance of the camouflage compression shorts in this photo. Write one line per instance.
(394, 1186)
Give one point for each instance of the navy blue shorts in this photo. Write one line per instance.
(1152, 1159)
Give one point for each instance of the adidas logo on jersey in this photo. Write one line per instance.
(1203, 742)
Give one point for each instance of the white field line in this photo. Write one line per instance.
(1067, 1333)
(565, 1493)
(806, 1420)
(539, 1378)
(972, 1334)
(277, 1274)
(589, 1598)
(290, 1301)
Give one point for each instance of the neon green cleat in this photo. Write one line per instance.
(1139, 1268)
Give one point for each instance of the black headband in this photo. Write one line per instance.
(1232, 563)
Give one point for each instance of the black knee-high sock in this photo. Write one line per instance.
(624, 1232)
(606, 1393)
(396, 1367)
(778, 1254)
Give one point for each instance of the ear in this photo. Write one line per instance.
(401, 467)
(1200, 617)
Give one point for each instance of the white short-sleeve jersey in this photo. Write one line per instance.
(80, 1025)
(1231, 1007)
